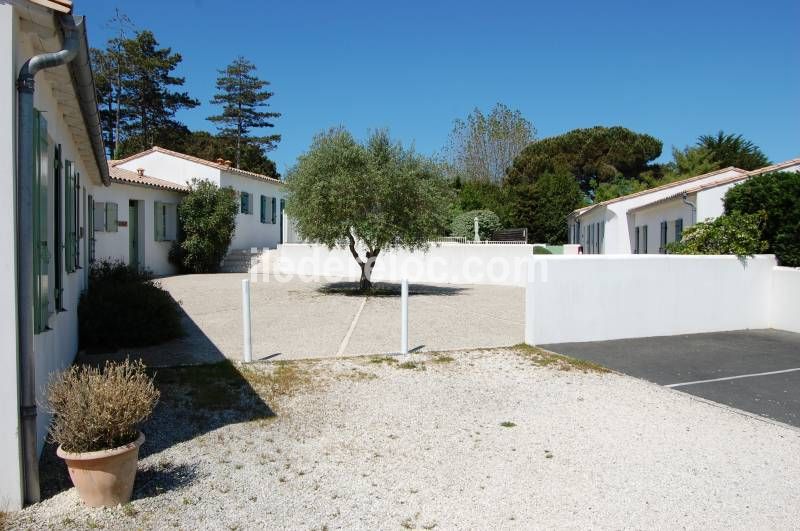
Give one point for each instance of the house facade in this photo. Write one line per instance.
(51, 160)
(646, 222)
(260, 221)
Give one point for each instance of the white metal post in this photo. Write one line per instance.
(248, 344)
(477, 228)
(404, 317)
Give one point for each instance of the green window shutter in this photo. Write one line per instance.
(170, 222)
(263, 209)
(58, 281)
(76, 213)
(41, 252)
(158, 221)
(99, 217)
(273, 209)
(69, 223)
(243, 202)
(678, 229)
(90, 227)
(112, 213)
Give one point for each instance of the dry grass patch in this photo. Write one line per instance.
(544, 358)
(378, 360)
(275, 380)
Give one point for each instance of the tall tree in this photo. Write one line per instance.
(543, 206)
(242, 96)
(593, 156)
(733, 150)
(482, 147)
(147, 101)
(376, 197)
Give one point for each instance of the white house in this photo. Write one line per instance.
(260, 221)
(135, 219)
(51, 158)
(645, 222)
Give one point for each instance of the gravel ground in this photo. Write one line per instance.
(295, 320)
(491, 439)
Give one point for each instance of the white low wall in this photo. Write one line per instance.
(446, 263)
(785, 302)
(602, 297)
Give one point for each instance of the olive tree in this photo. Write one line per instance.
(367, 197)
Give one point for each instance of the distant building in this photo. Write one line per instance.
(645, 222)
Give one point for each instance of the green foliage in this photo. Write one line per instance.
(380, 195)
(124, 308)
(733, 150)
(777, 194)
(136, 92)
(483, 195)
(483, 147)
(463, 224)
(211, 147)
(691, 161)
(207, 218)
(541, 250)
(543, 206)
(733, 233)
(598, 154)
(242, 96)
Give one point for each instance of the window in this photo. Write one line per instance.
(678, 229)
(166, 221)
(41, 251)
(602, 226)
(111, 217)
(246, 199)
(272, 210)
(263, 209)
(636, 240)
(76, 218)
(644, 239)
(69, 218)
(662, 248)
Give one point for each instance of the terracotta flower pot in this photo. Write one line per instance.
(105, 477)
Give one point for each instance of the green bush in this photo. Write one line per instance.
(464, 224)
(734, 233)
(125, 308)
(778, 195)
(541, 250)
(207, 218)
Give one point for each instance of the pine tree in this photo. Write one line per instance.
(242, 95)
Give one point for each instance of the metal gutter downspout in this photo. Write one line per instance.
(25, 169)
(692, 206)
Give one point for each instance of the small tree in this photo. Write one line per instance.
(464, 224)
(377, 196)
(734, 233)
(208, 221)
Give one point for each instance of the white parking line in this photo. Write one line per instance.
(732, 377)
(346, 339)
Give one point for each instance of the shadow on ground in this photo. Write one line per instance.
(387, 289)
(195, 400)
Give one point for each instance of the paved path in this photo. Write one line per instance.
(753, 370)
(295, 320)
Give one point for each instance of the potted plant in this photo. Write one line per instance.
(97, 414)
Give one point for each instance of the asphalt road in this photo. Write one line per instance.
(754, 370)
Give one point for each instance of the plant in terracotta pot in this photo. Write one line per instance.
(97, 414)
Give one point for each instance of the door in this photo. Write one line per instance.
(133, 233)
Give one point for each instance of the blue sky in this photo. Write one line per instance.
(674, 69)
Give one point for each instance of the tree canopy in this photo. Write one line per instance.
(593, 156)
(242, 96)
(733, 150)
(543, 206)
(483, 147)
(369, 197)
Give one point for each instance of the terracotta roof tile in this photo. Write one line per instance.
(121, 175)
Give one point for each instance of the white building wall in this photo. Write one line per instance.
(669, 211)
(172, 169)
(785, 302)
(55, 348)
(116, 245)
(250, 232)
(597, 298)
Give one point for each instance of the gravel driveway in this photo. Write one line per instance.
(485, 439)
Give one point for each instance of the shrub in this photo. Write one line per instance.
(734, 233)
(207, 218)
(464, 224)
(541, 250)
(777, 194)
(124, 308)
(97, 409)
